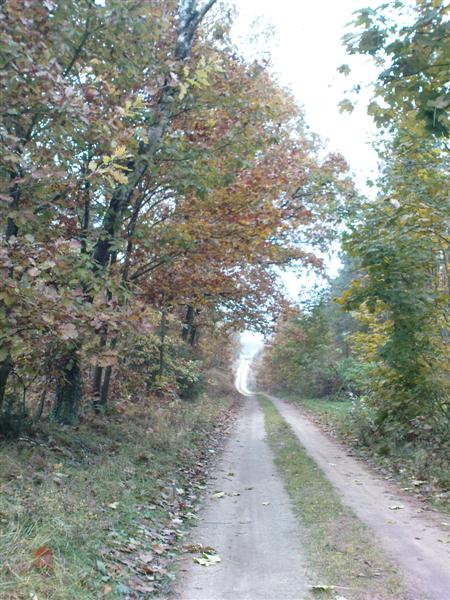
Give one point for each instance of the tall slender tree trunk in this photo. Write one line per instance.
(188, 323)
(68, 392)
(97, 382)
(104, 393)
(11, 230)
(98, 374)
(5, 370)
(162, 337)
(105, 381)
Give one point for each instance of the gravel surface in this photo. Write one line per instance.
(255, 533)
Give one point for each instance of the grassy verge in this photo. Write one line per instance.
(332, 414)
(98, 511)
(341, 549)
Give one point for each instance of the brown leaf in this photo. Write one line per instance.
(68, 331)
(146, 557)
(140, 586)
(42, 557)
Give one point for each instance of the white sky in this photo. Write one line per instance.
(306, 51)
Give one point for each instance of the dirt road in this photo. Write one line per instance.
(416, 540)
(260, 542)
(255, 533)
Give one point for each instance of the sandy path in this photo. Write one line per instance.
(260, 544)
(409, 535)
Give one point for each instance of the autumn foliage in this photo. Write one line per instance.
(397, 243)
(151, 180)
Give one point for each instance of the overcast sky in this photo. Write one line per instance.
(306, 51)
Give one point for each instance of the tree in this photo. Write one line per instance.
(153, 167)
(409, 40)
(401, 241)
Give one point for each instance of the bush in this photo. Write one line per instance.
(14, 418)
(190, 381)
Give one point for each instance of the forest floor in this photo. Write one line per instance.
(290, 514)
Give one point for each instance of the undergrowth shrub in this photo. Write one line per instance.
(415, 449)
(14, 418)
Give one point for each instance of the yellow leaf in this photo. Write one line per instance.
(119, 176)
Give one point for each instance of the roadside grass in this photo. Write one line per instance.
(341, 549)
(331, 413)
(422, 471)
(106, 503)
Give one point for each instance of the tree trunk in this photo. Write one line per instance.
(102, 378)
(188, 323)
(97, 383)
(10, 231)
(104, 394)
(68, 393)
(5, 370)
(98, 372)
(162, 337)
(193, 336)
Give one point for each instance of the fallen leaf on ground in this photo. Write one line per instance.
(396, 507)
(218, 495)
(322, 588)
(42, 557)
(158, 548)
(113, 505)
(140, 586)
(206, 560)
(101, 567)
(265, 503)
(146, 557)
(194, 548)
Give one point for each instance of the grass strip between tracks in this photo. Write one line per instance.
(341, 549)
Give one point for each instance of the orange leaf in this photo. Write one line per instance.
(42, 557)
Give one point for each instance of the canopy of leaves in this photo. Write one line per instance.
(147, 171)
(409, 41)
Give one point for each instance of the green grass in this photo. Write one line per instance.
(99, 496)
(341, 549)
(331, 413)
